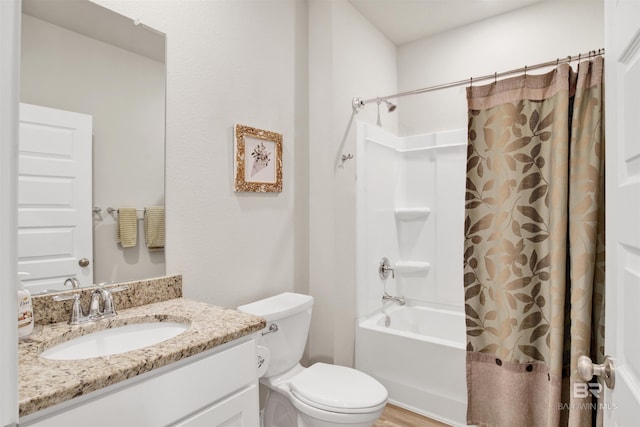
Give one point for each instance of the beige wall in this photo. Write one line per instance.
(223, 69)
(125, 95)
(535, 34)
(232, 62)
(247, 62)
(348, 58)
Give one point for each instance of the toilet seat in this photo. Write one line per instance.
(338, 389)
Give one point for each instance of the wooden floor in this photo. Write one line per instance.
(394, 416)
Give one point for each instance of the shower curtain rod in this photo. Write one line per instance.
(358, 103)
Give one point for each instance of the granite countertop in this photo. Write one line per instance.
(44, 383)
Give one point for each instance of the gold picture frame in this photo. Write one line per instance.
(258, 158)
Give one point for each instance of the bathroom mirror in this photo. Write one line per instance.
(79, 57)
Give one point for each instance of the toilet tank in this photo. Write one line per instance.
(291, 315)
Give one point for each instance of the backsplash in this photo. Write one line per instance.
(140, 292)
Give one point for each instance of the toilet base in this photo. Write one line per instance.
(279, 411)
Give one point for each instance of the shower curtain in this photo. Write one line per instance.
(534, 247)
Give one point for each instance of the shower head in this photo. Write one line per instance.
(390, 106)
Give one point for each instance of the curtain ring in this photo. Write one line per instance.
(471, 82)
(525, 71)
(557, 62)
(495, 78)
(578, 67)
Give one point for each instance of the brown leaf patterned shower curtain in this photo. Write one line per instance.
(534, 246)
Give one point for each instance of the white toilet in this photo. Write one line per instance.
(319, 396)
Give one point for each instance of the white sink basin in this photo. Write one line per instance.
(114, 340)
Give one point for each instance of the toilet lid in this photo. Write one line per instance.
(337, 388)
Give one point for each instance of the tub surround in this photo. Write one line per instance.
(44, 383)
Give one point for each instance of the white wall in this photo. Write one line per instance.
(348, 58)
(125, 94)
(9, 98)
(535, 34)
(228, 62)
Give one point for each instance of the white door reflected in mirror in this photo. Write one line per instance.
(54, 197)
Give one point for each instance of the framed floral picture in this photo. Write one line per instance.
(258, 157)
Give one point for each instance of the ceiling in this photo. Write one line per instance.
(404, 21)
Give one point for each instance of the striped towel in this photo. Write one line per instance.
(127, 231)
(154, 227)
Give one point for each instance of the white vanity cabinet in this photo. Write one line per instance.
(218, 387)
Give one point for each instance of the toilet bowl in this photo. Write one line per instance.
(322, 395)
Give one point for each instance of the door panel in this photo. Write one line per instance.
(622, 404)
(54, 197)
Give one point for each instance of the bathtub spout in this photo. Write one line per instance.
(399, 300)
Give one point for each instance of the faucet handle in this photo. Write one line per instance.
(77, 315)
(384, 268)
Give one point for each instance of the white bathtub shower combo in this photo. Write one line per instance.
(410, 209)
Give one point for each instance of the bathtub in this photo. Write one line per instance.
(418, 353)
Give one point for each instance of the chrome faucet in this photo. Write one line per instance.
(108, 307)
(399, 300)
(73, 282)
(95, 313)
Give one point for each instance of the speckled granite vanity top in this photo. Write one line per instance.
(44, 383)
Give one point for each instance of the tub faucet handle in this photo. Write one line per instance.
(384, 268)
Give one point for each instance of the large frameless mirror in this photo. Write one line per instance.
(92, 132)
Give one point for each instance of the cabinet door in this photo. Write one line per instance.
(238, 410)
(168, 396)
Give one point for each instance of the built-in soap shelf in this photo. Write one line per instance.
(412, 214)
(412, 267)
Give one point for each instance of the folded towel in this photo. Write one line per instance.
(127, 231)
(154, 227)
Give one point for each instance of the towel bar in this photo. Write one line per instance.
(112, 210)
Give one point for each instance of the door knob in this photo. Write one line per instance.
(83, 262)
(587, 369)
